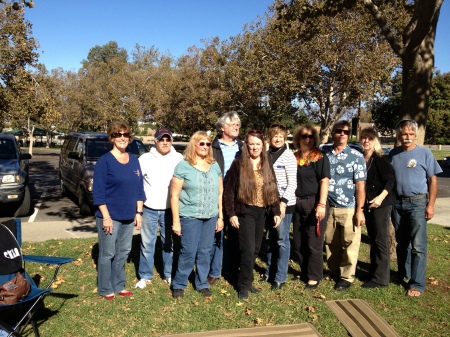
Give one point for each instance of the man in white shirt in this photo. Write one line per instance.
(157, 168)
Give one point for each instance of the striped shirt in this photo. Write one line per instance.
(229, 154)
(285, 168)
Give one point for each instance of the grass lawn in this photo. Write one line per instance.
(75, 309)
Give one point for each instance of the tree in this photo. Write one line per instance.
(414, 44)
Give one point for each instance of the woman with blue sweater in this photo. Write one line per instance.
(118, 196)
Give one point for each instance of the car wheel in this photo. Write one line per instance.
(25, 208)
(83, 204)
(62, 188)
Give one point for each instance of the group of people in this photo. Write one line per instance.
(243, 189)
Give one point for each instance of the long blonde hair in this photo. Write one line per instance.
(370, 132)
(247, 183)
(190, 154)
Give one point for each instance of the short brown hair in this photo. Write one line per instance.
(119, 127)
(298, 135)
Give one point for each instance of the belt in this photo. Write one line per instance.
(306, 197)
(417, 196)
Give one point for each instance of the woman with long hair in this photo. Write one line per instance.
(119, 198)
(377, 210)
(250, 191)
(196, 202)
(310, 217)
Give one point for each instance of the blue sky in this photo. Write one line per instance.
(67, 30)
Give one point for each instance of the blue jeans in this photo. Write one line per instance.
(113, 253)
(278, 248)
(217, 255)
(149, 232)
(197, 236)
(408, 216)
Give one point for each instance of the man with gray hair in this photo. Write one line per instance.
(415, 171)
(225, 147)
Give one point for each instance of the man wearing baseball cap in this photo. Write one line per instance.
(157, 168)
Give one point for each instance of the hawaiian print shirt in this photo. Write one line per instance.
(346, 168)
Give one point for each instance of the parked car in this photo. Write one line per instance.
(446, 162)
(14, 177)
(77, 159)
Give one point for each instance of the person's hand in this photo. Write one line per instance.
(282, 210)
(429, 212)
(234, 221)
(219, 224)
(176, 227)
(276, 221)
(359, 218)
(108, 225)
(375, 202)
(138, 221)
(320, 212)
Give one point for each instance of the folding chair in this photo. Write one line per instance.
(12, 261)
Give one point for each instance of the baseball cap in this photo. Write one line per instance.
(161, 132)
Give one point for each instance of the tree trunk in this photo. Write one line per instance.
(418, 67)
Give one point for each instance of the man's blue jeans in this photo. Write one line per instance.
(113, 253)
(278, 248)
(197, 236)
(149, 233)
(408, 216)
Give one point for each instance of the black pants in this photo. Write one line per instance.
(251, 230)
(377, 223)
(308, 247)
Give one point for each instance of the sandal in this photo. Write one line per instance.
(413, 292)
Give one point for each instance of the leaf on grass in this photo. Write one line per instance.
(228, 314)
(435, 282)
(207, 299)
(95, 290)
(78, 262)
(258, 321)
(196, 303)
(320, 296)
(239, 304)
(310, 308)
(51, 246)
(314, 317)
(223, 291)
(248, 311)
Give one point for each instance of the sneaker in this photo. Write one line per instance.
(205, 292)
(177, 293)
(168, 280)
(243, 295)
(142, 283)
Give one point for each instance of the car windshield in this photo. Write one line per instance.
(7, 149)
(98, 147)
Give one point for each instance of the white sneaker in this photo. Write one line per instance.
(142, 283)
(168, 280)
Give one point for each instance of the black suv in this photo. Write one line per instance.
(14, 176)
(79, 154)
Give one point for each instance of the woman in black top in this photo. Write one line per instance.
(310, 217)
(379, 200)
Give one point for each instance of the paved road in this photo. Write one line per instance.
(57, 217)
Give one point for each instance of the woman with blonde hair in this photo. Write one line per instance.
(377, 210)
(196, 202)
(250, 191)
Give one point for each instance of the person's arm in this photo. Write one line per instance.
(360, 198)
(138, 217)
(432, 194)
(388, 177)
(323, 195)
(219, 223)
(107, 220)
(175, 190)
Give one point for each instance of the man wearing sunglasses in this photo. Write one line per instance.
(415, 169)
(225, 146)
(346, 196)
(157, 168)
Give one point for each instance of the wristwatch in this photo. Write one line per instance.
(140, 213)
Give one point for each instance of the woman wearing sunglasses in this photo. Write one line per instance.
(250, 191)
(278, 246)
(118, 196)
(313, 175)
(196, 202)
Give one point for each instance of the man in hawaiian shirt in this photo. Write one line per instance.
(346, 195)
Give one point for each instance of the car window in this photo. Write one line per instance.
(95, 148)
(136, 148)
(7, 149)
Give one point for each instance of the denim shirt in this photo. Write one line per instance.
(346, 168)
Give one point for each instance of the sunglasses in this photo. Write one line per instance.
(339, 131)
(279, 126)
(208, 144)
(165, 140)
(120, 134)
(304, 136)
